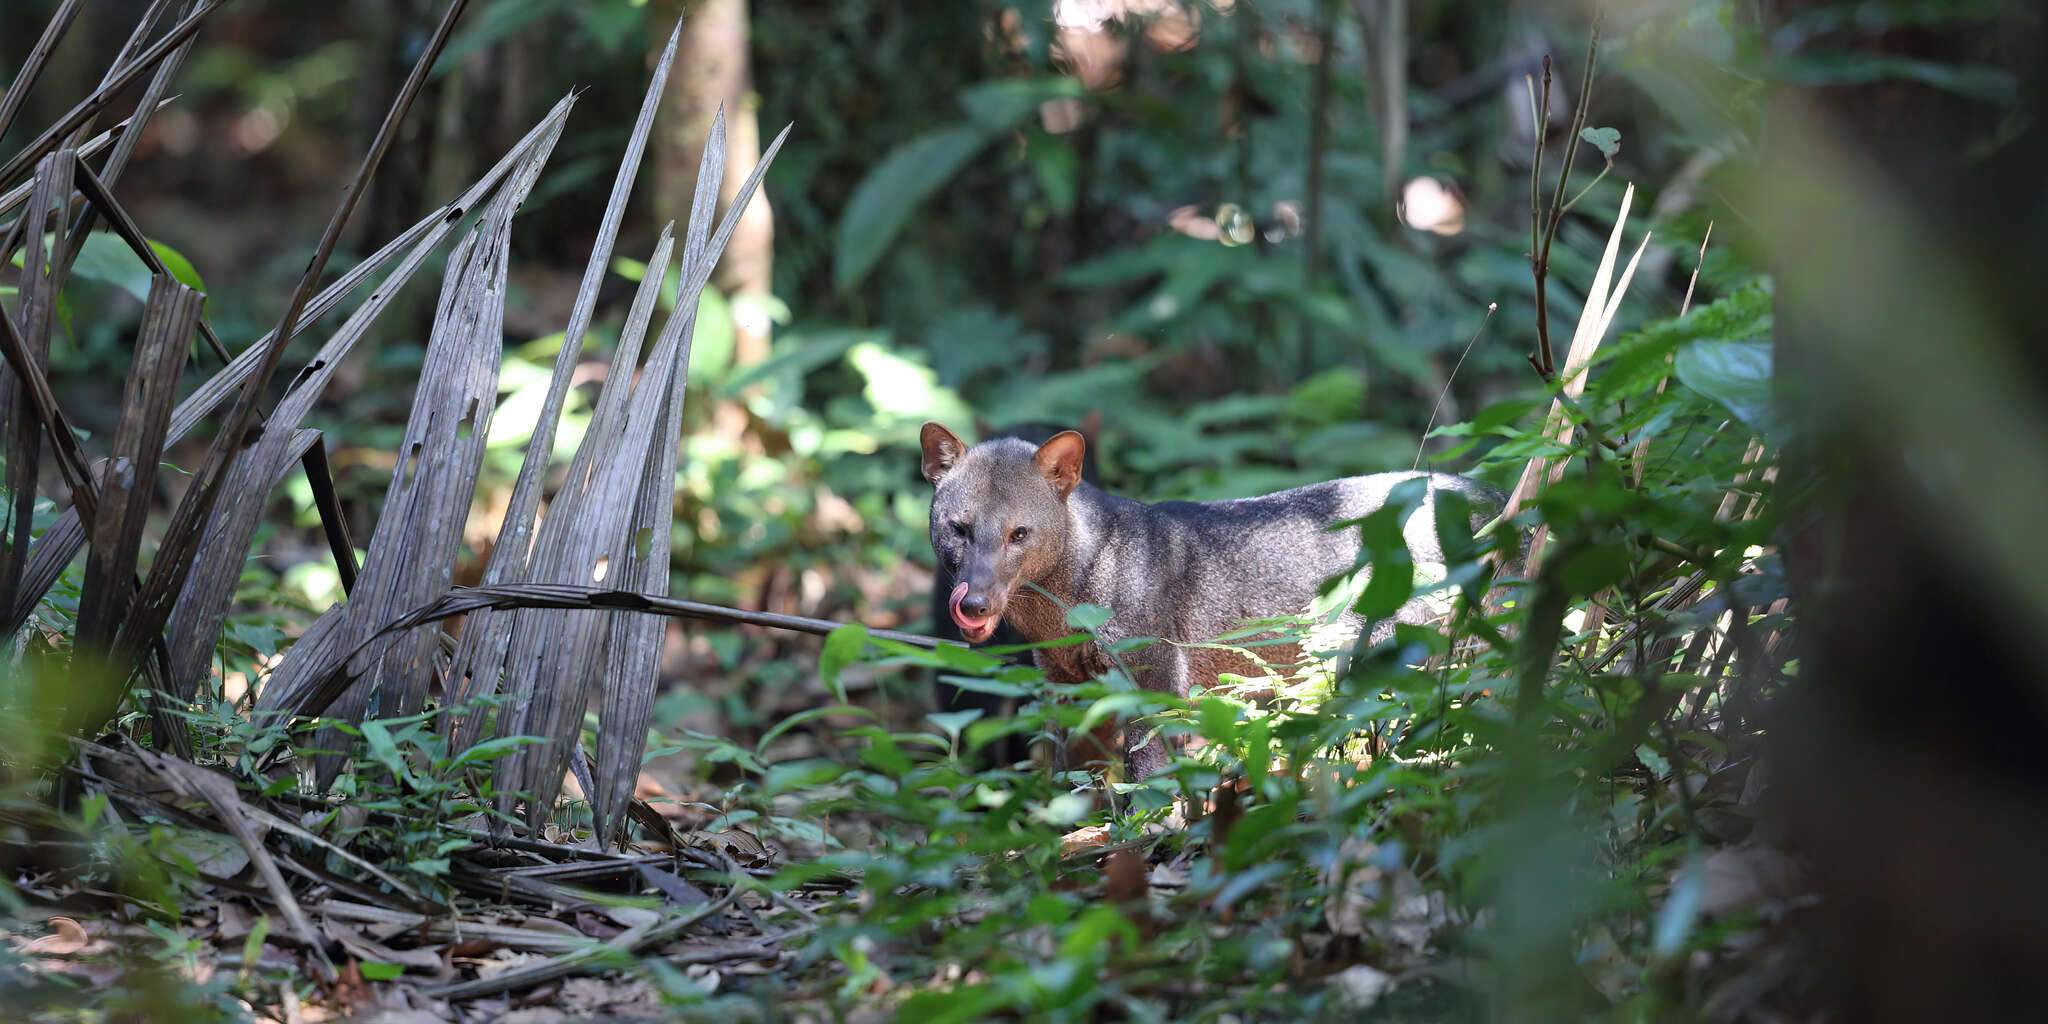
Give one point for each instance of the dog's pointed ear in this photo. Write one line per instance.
(1060, 460)
(942, 448)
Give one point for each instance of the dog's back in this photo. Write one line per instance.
(1191, 571)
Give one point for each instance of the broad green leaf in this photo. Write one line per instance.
(841, 648)
(902, 389)
(1088, 617)
(1332, 396)
(1606, 140)
(107, 259)
(1096, 927)
(180, 267)
(977, 684)
(1736, 374)
(1058, 170)
(884, 200)
(951, 722)
(711, 339)
(1681, 908)
(1063, 810)
(883, 755)
(377, 970)
(997, 106)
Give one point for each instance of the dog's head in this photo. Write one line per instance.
(999, 516)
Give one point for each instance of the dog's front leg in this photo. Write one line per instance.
(1162, 668)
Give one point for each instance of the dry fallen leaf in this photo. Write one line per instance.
(1080, 839)
(1123, 877)
(66, 937)
(1358, 987)
(1746, 878)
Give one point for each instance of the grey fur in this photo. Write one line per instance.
(1181, 571)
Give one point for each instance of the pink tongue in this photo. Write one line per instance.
(965, 621)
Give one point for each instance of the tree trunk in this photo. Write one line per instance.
(713, 69)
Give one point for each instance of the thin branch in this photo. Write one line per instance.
(1491, 308)
(1539, 257)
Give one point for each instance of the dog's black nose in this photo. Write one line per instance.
(976, 606)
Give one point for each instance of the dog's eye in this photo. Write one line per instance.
(962, 529)
(1017, 535)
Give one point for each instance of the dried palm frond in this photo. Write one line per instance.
(412, 554)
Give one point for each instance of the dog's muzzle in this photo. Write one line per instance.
(977, 629)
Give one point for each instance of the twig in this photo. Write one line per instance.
(1491, 307)
(1686, 306)
(1539, 257)
(1544, 235)
(624, 944)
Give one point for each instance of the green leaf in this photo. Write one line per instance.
(711, 339)
(977, 684)
(384, 748)
(1095, 928)
(1592, 568)
(951, 722)
(1335, 395)
(795, 775)
(491, 749)
(181, 268)
(841, 648)
(1606, 140)
(375, 970)
(1129, 704)
(884, 200)
(432, 867)
(1058, 170)
(252, 943)
(107, 259)
(883, 755)
(902, 390)
(1681, 908)
(1218, 719)
(997, 106)
(1736, 374)
(1088, 617)
(805, 716)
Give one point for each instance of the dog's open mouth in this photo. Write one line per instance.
(976, 630)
